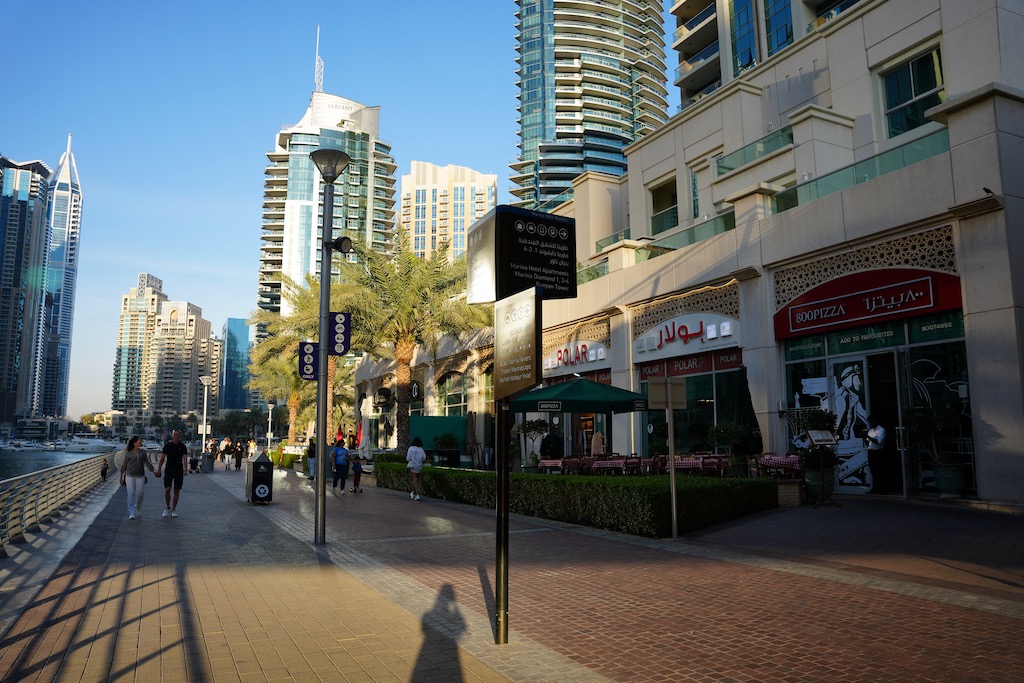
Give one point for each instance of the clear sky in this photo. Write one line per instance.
(173, 106)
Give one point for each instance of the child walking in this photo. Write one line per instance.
(357, 474)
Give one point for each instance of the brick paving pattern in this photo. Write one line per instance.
(879, 589)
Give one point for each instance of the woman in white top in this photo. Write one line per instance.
(133, 474)
(415, 458)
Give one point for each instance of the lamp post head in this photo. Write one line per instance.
(330, 162)
(205, 379)
(271, 405)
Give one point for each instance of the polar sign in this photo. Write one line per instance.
(340, 332)
(309, 360)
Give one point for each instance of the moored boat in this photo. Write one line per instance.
(90, 443)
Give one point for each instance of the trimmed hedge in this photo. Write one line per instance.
(634, 505)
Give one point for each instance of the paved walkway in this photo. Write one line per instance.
(879, 589)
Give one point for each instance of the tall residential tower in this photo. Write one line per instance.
(439, 203)
(364, 198)
(163, 347)
(591, 76)
(64, 219)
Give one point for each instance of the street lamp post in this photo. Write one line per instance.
(330, 163)
(205, 379)
(270, 422)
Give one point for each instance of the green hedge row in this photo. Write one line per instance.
(634, 505)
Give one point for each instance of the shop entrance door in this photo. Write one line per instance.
(863, 385)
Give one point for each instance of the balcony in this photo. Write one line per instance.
(665, 219)
(830, 14)
(610, 240)
(755, 150)
(684, 238)
(698, 30)
(863, 171)
(700, 69)
(592, 272)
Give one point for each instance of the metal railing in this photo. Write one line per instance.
(33, 499)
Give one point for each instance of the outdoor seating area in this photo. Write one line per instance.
(706, 464)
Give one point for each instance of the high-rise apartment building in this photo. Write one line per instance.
(235, 365)
(64, 219)
(591, 76)
(364, 198)
(23, 259)
(439, 203)
(163, 347)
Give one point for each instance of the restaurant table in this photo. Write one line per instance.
(622, 465)
(775, 466)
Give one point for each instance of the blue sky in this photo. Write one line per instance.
(173, 106)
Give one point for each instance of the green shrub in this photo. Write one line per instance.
(634, 505)
(389, 456)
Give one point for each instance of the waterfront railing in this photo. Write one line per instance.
(28, 501)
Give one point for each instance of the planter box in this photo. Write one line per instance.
(791, 493)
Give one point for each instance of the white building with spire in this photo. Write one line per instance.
(364, 198)
(63, 221)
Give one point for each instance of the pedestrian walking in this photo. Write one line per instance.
(357, 473)
(339, 464)
(414, 459)
(173, 460)
(311, 457)
(225, 451)
(239, 453)
(133, 474)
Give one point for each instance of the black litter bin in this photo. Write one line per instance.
(259, 479)
(206, 466)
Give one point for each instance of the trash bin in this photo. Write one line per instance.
(259, 478)
(207, 464)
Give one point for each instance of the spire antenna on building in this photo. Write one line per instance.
(318, 76)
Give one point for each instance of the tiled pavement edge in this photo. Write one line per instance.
(879, 590)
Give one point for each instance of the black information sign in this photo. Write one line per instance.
(517, 343)
(511, 249)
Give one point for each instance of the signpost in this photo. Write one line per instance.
(340, 333)
(669, 393)
(516, 258)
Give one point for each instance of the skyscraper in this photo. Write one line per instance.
(364, 199)
(163, 347)
(591, 81)
(235, 365)
(23, 258)
(440, 202)
(63, 218)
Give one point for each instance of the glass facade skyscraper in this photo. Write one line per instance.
(23, 259)
(364, 196)
(235, 366)
(64, 218)
(591, 81)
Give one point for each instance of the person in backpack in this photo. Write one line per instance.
(339, 464)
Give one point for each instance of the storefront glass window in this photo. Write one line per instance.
(451, 394)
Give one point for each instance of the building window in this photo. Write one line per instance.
(451, 394)
(778, 21)
(694, 201)
(664, 207)
(910, 89)
(744, 35)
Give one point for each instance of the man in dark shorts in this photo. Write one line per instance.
(176, 455)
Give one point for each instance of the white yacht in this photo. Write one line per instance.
(91, 443)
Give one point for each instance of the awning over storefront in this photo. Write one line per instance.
(579, 396)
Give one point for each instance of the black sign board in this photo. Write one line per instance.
(511, 249)
(517, 343)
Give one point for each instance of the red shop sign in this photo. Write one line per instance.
(728, 359)
(648, 370)
(869, 296)
(690, 365)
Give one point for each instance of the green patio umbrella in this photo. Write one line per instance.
(579, 396)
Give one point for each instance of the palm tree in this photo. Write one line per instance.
(285, 333)
(400, 302)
